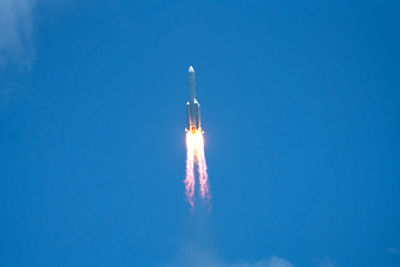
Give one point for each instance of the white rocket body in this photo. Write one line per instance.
(192, 106)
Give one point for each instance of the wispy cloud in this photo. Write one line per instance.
(394, 250)
(193, 256)
(273, 261)
(327, 262)
(16, 30)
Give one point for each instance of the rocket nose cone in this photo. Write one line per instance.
(191, 69)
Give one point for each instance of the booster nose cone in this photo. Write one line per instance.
(191, 69)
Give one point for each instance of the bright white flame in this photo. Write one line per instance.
(195, 154)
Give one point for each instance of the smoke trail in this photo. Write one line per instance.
(195, 154)
(203, 176)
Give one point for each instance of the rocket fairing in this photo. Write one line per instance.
(192, 106)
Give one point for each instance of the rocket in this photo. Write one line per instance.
(192, 106)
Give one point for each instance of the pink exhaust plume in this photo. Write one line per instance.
(189, 180)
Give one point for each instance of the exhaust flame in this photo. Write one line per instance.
(195, 154)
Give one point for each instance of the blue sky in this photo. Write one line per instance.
(300, 106)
